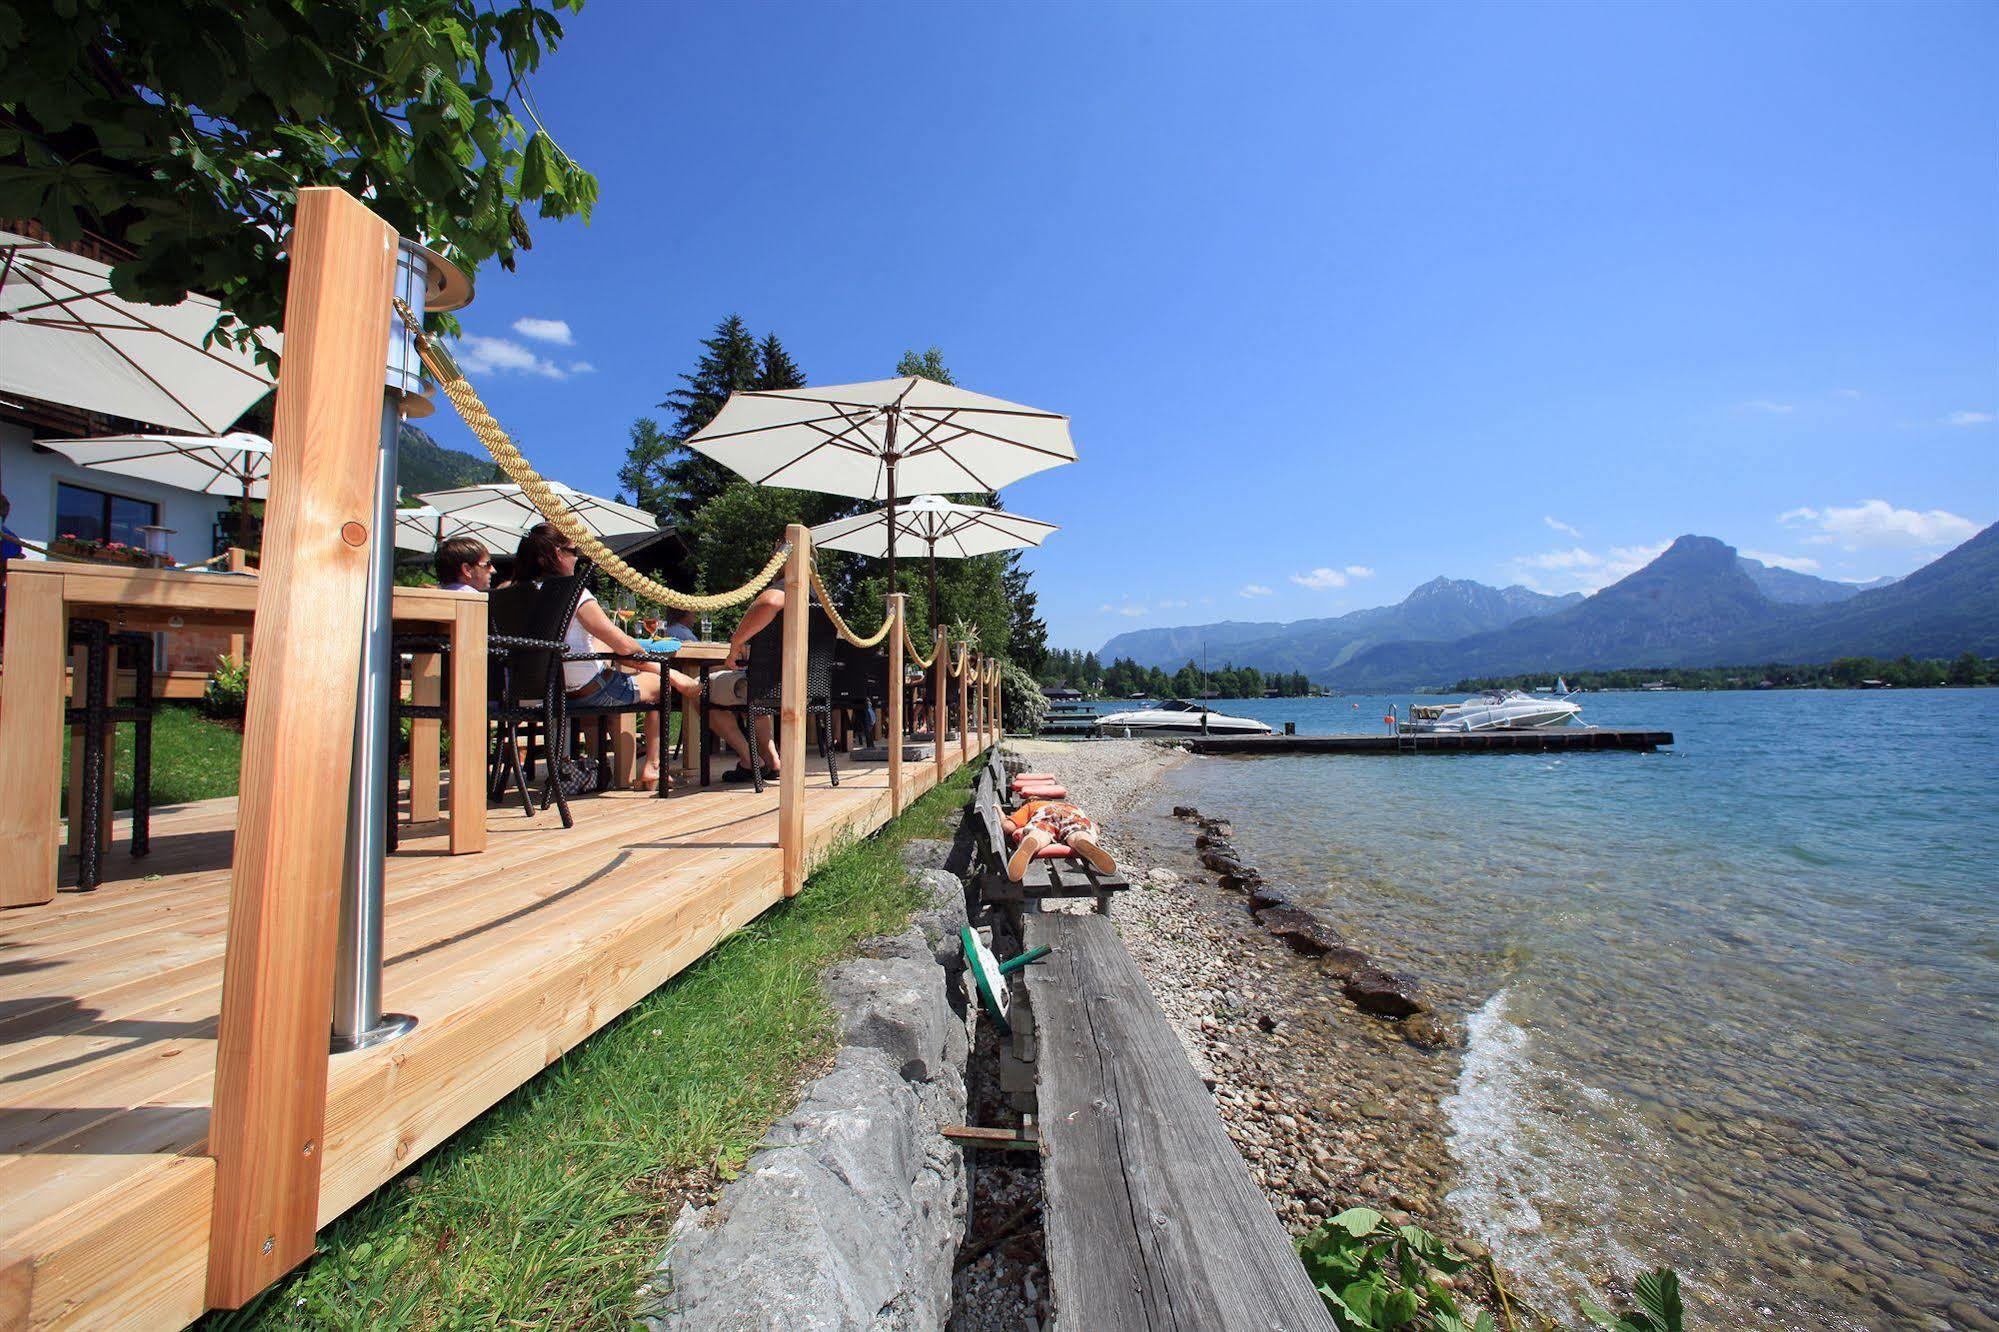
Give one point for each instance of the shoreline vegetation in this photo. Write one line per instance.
(1966, 671)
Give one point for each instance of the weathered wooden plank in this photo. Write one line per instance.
(298, 744)
(1152, 1219)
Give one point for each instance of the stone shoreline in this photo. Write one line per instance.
(1331, 1107)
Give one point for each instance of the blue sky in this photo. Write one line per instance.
(1339, 298)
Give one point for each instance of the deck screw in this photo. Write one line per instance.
(308, 1146)
(270, 1242)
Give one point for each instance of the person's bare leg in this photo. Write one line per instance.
(726, 729)
(1031, 843)
(767, 737)
(648, 687)
(1085, 845)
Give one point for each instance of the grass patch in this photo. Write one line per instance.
(193, 759)
(547, 1210)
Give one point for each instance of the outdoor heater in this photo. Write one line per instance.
(426, 281)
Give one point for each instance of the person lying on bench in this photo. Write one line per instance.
(1042, 823)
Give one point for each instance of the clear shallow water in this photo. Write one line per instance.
(1731, 1006)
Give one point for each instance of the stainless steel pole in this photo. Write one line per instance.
(358, 1020)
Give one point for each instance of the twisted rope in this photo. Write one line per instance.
(839, 623)
(909, 646)
(551, 505)
(958, 667)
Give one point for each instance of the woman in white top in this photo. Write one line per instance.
(546, 553)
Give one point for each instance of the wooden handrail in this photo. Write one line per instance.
(298, 743)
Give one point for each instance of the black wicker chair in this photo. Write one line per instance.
(764, 672)
(98, 717)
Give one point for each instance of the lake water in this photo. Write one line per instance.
(1731, 1006)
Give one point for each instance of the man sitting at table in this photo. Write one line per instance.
(464, 565)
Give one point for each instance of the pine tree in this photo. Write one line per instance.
(730, 360)
(775, 368)
(925, 365)
(1027, 632)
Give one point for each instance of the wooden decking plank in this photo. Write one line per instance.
(1152, 1219)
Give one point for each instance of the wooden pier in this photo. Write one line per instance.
(109, 1004)
(1552, 740)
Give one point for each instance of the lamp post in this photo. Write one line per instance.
(425, 280)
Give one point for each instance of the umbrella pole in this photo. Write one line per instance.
(888, 459)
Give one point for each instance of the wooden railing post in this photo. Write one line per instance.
(897, 687)
(978, 669)
(791, 717)
(965, 711)
(940, 710)
(999, 703)
(298, 749)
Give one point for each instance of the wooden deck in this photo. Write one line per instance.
(109, 1003)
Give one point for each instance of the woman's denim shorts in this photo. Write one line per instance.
(612, 689)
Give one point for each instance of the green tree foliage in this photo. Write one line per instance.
(925, 365)
(1125, 678)
(183, 130)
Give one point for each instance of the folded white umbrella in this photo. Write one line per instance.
(876, 439)
(66, 337)
(940, 527)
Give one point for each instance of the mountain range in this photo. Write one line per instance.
(1700, 603)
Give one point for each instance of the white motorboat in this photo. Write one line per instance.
(1494, 710)
(1177, 717)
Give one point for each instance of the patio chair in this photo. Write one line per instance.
(764, 678)
(102, 648)
(660, 709)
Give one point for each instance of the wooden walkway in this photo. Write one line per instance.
(1152, 1219)
(109, 1002)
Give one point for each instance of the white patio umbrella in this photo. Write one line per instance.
(869, 440)
(66, 337)
(955, 531)
(499, 515)
(237, 465)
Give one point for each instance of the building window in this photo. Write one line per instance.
(93, 515)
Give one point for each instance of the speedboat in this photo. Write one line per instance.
(1494, 710)
(1178, 717)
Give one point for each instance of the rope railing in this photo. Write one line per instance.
(472, 410)
(840, 624)
(909, 646)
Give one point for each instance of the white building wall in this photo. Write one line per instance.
(28, 478)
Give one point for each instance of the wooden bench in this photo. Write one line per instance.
(1152, 1220)
(1044, 878)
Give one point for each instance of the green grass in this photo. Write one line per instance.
(547, 1210)
(193, 759)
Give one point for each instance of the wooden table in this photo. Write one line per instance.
(43, 596)
(696, 659)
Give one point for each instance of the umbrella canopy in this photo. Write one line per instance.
(499, 515)
(237, 465)
(66, 337)
(871, 440)
(955, 531)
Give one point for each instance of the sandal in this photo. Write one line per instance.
(738, 774)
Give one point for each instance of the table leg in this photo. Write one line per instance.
(625, 750)
(426, 736)
(31, 725)
(468, 728)
(696, 727)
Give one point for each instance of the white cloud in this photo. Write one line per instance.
(1359, 571)
(1172, 605)
(479, 355)
(1846, 393)
(1255, 590)
(1580, 570)
(1126, 610)
(546, 330)
(1561, 526)
(582, 368)
(1968, 419)
(1878, 525)
(1795, 563)
(1320, 579)
(1774, 408)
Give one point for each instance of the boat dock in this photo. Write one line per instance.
(1437, 742)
